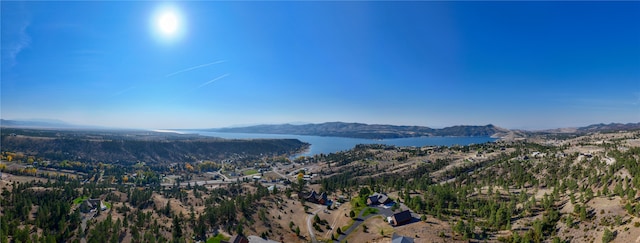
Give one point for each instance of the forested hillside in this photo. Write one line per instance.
(509, 192)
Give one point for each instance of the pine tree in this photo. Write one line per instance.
(608, 236)
(176, 228)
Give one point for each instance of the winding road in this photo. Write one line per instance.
(357, 222)
(310, 226)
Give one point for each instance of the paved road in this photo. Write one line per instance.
(386, 212)
(358, 221)
(204, 182)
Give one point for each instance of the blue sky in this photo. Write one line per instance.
(530, 65)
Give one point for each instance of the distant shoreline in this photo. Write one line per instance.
(332, 144)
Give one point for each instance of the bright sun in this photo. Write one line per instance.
(167, 23)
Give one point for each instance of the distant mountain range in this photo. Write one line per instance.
(611, 127)
(360, 130)
(44, 123)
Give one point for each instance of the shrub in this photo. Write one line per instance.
(608, 236)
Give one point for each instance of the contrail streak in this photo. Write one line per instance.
(195, 67)
(213, 80)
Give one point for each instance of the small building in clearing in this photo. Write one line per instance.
(315, 197)
(400, 218)
(90, 205)
(238, 239)
(378, 198)
(400, 239)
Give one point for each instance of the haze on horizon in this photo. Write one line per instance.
(146, 64)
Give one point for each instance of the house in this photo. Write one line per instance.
(400, 218)
(90, 205)
(378, 198)
(538, 155)
(315, 197)
(400, 239)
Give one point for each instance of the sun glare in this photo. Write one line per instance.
(167, 24)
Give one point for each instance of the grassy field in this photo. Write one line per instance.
(79, 200)
(358, 204)
(217, 239)
(368, 211)
(250, 172)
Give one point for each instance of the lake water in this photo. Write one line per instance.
(325, 145)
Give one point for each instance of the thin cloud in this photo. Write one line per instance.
(195, 67)
(196, 88)
(213, 80)
(17, 34)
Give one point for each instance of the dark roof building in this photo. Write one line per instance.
(92, 204)
(401, 218)
(238, 239)
(315, 197)
(401, 239)
(378, 198)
